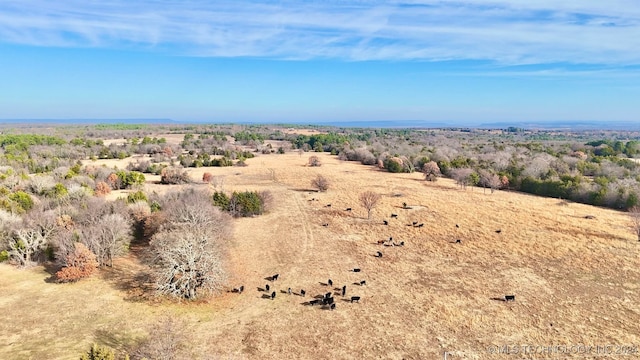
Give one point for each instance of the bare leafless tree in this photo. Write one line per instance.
(634, 215)
(266, 200)
(489, 180)
(167, 340)
(321, 183)
(314, 161)
(462, 176)
(32, 236)
(25, 244)
(369, 200)
(108, 238)
(189, 249)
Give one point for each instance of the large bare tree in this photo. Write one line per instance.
(189, 249)
(369, 200)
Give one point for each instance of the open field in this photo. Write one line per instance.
(576, 280)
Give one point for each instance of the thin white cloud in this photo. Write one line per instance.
(501, 31)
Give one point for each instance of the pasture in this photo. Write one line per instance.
(576, 280)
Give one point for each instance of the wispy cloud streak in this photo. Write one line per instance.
(501, 31)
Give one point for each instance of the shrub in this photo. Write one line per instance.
(100, 353)
(102, 188)
(130, 178)
(393, 165)
(57, 192)
(314, 161)
(23, 199)
(81, 263)
(221, 200)
(321, 183)
(245, 204)
(4, 255)
(174, 176)
(136, 197)
(207, 177)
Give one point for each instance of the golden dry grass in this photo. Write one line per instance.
(576, 280)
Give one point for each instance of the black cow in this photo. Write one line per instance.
(344, 290)
(355, 299)
(273, 295)
(378, 254)
(289, 291)
(415, 223)
(275, 277)
(385, 222)
(509, 298)
(328, 205)
(332, 307)
(327, 295)
(330, 283)
(458, 241)
(363, 282)
(394, 215)
(347, 209)
(266, 287)
(420, 225)
(302, 292)
(356, 270)
(241, 288)
(325, 224)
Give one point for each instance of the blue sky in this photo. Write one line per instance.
(441, 61)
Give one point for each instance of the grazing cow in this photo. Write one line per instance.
(266, 287)
(401, 243)
(330, 300)
(330, 283)
(328, 205)
(378, 254)
(363, 282)
(302, 292)
(385, 222)
(273, 295)
(241, 288)
(380, 242)
(390, 238)
(394, 215)
(289, 291)
(355, 299)
(509, 298)
(457, 225)
(347, 209)
(275, 277)
(414, 223)
(332, 307)
(498, 231)
(344, 290)
(325, 224)
(356, 270)
(458, 241)
(327, 295)
(420, 225)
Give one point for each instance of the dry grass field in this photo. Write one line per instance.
(576, 280)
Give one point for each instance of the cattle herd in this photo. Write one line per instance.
(327, 300)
